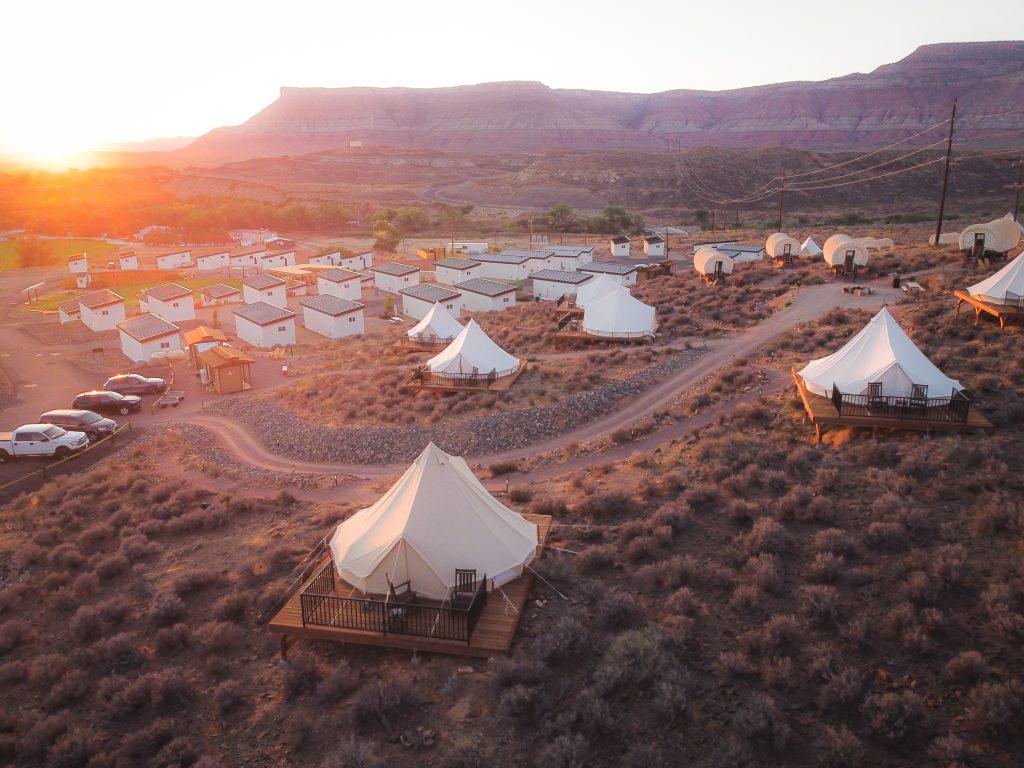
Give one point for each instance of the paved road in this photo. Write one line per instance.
(811, 303)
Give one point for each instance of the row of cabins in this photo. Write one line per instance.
(208, 260)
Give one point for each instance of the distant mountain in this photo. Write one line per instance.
(168, 144)
(851, 112)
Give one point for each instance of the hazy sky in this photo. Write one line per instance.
(77, 74)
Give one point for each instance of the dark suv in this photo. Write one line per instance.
(105, 401)
(94, 425)
(134, 384)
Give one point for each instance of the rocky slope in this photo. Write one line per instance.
(850, 112)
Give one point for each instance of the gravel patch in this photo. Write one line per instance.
(287, 434)
(55, 334)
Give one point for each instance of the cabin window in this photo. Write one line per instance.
(352, 319)
(175, 305)
(104, 313)
(281, 328)
(165, 344)
(505, 300)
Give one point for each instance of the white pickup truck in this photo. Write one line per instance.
(40, 440)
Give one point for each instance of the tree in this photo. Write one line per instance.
(389, 306)
(702, 216)
(386, 237)
(32, 252)
(562, 217)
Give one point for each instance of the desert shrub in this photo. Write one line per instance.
(778, 633)
(549, 505)
(836, 541)
(228, 697)
(112, 566)
(13, 633)
(143, 743)
(353, 752)
(635, 659)
(220, 636)
(896, 716)
(380, 703)
(166, 609)
(685, 601)
(842, 689)
(839, 748)
(499, 468)
(826, 567)
(73, 749)
(886, 536)
(766, 535)
(301, 676)
(617, 610)
(761, 726)
(89, 621)
(339, 682)
(966, 667)
(74, 685)
(608, 504)
(565, 751)
(233, 607)
(596, 558)
(120, 650)
(172, 639)
(996, 709)
(508, 672)
(197, 580)
(564, 636)
(819, 603)
(763, 572)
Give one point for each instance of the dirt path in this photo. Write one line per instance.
(811, 303)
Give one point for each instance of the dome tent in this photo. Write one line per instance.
(437, 325)
(473, 352)
(618, 315)
(596, 289)
(880, 352)
(776, 246)
(710, 262)
(436, 518)
(992, 237)
(1004, 287)
(809, 248)
(845, 253)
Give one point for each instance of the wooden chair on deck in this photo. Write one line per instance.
(402, 594)
(875, 398)
(465, 587)
(919, 397)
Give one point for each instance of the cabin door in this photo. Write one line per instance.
(979, 245)
(718, 270)
(848, 266)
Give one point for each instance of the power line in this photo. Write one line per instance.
(879, 176)
(877, 165)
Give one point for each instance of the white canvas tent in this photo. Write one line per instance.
(618, 315)
(880, 352)
(775, 245)
(706, 259)
(436, 518)
(596, 289)
(840, 248)
(946, 238)
(1008, 280)
(473, 352)
(999, 236)
(809, 248)
(436, 325)
(880, 243)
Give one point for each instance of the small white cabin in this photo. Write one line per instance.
(329, 259)
(481, 295)
(68, 311)
(340, 283)
(619, 246)
(78, 264)
(273, 259)
(265, 325)
(418, 300)
(654, 246)
(101, 310)
(332, 316)
(359, 263)
(174, 260)
(452, 270)
(454, 248)
(567, 258)
(553, 284)
(623, 274)
(210, 262)
(144, 336)
(127, 260)
(172, 302)
(268, 288)
(219, 294)
(392, 277)
(247, 257)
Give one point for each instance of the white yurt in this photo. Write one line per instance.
(878, 243)
(997, 237)
(710, 261)
(436, 518)
(473, 352)
(596, 289)
(775, 246)
(946, 238)
(437, 325)
(842, 251)
(1004, 287)
(618, 315)
(880, 352)
(809, 248)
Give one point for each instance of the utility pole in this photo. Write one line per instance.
(892, 216)
(1019, 185)
(945, 176)
(584, 230)
(782, 197)
(713, 236)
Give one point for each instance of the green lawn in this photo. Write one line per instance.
(99, 250)
(131, 291)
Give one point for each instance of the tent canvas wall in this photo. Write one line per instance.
(880, 352)
(596, 289)
(845, 252)
(809, 248)
(618, 315)
(1004, 287)
(708, 261)
(473, 352)
(999, 236)
(436, 325)
(775, 245)
(436, 518)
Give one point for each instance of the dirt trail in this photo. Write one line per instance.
(811, 303)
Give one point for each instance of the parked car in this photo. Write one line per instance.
(94, 425)
(134, 384)
(105, 401)
(40, 440)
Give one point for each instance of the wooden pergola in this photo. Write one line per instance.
(1002, 312)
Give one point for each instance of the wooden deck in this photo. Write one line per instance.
(498, 385)
(1002, 314)
(823, 415)
(492, 636)
(404, 345)
(586, 338)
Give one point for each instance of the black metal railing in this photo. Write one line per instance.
(322, 606)
(952, 409)
(455, 380)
